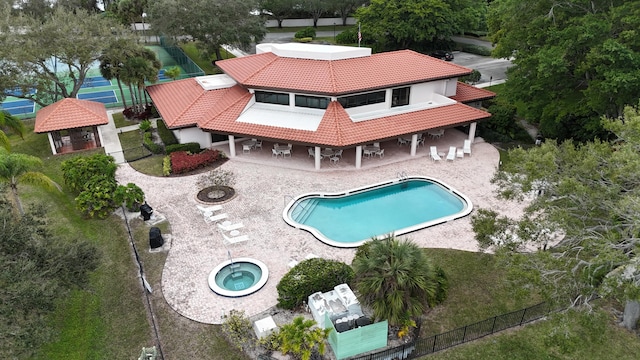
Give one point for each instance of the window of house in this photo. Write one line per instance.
(400, 96)
(312, 101)
(362, 99)
(272, 98)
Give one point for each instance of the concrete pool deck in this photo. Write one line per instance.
(264, 185)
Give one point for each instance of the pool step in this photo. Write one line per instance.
(304, 210)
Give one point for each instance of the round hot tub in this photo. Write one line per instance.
(238, 277)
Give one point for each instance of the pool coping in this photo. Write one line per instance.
(318, 235)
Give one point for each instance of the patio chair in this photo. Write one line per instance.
(433, 153)
(275, 153)
(246, 149)
(258, 144)
(235, 239)
(286, 152)
(209, 210)
(338, 153)
(452, 153)
(421, 141)
(215, 218)
(311, 152)
(380, 153)
(334, 159)
(228, 226)
(467, 147)
(402, 141)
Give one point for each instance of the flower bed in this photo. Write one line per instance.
(182, 161)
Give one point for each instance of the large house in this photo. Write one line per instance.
(321, 96)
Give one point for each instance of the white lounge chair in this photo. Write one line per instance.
(466, 148)
(215, 218)
(433, 153)
(452, 153)
(209, 209)
(459, 153)
(235, 239)
(228, 226)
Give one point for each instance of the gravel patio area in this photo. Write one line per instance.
(263, 187)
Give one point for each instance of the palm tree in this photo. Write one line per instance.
(139, 69)
(395, 278)
(16, 167)
(112, 62)
(299, 339)
(9, 121)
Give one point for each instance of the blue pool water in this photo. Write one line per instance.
(350, 218)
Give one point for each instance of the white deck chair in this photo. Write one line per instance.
(215, 218)
(209, 209)
(235, 239)
(433, 153)
(452, 153)
(466, 148)
(228, 226)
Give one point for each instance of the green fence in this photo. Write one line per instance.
(180, 58)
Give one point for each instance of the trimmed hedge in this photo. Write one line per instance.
(147, 141)
(311, 276)
(166, 135)
(192, 147)
(308, 32)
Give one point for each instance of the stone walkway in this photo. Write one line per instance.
(263, 186)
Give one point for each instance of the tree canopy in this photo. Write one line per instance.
(211, 23)
(38, 269)
(575, 61)
(45, 61)
(582, 217)
(416, 24)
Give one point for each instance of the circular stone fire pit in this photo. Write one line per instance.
(216, 194)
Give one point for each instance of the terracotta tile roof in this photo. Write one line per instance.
(466, 93)
(70, 113)
(336, 128)
(337, 77)
(183, 102)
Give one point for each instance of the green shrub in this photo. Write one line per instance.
(348, 36)
(308, 32)
(304, 40)
(166, 166)
(502, 126)
(77, 171)
(237, 328)
(145, 125)
(147, 141)
(442, 287)
(192, 147)
(472, 78)
(166, 135)
(476, 49)
(97, 200)
(131, 195)
(311, 276)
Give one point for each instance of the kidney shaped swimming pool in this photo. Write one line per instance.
(400, 206)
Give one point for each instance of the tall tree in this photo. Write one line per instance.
(582, 218)
(315, 8)
(277, 9)
(395, 278)
(112, 62)
(49, 59)
(575, 61)
(18, 168)
(137, 70)
(211, 23)
(345, 8)
(407, 24)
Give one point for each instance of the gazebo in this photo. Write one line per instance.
(72, 124)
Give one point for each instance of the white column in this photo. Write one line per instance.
(51, 143)
(472, 131)
(317, 157)
(232, 146)
(414, 144)
(358, 156)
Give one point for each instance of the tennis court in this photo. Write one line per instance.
(105, 97)
(18, 92)
(95, 81)
(19, 107)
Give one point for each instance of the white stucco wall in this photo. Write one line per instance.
(193, 134)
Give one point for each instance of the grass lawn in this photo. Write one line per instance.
(120, 121)
(569, 335)
(193, 53)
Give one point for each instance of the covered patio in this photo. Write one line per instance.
(72, 124)
(301, 158)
